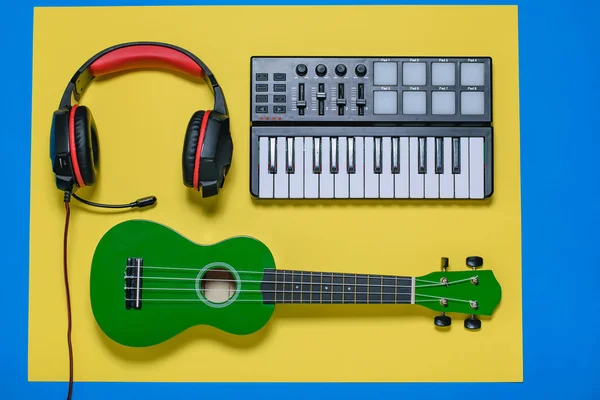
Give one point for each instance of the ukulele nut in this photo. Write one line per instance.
(444, 302)
(473, 304)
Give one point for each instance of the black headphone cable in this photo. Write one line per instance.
(67, 200)
(142, 202)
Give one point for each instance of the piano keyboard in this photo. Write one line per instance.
(381, 163)
(370, 128)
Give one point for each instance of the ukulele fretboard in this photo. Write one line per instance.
(286, 286)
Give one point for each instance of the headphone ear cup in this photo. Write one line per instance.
(85, 139)
(190, 146)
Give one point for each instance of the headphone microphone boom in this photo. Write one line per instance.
(74, 151)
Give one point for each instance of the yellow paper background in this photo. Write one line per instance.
(142, 118)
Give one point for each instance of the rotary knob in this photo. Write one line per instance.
(360, 70)
(340, 70)
(301, 69)
(321, 70)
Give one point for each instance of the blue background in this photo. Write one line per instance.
(559, 172)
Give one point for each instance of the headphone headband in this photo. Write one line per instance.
(136, 55)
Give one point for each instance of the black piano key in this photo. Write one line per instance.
(422, 156)
(377, 157)
(395, 155)
(456, 155)
(317, 155)
(272, 155)
(334, 155)
(439, 155)
(290, 156)
(351, 154)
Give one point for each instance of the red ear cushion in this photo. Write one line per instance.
(190, 144)
(85, 141)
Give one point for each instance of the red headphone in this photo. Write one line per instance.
(207, 148)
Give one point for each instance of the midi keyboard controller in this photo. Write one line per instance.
(371, 127)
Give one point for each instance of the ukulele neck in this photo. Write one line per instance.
(310, 287)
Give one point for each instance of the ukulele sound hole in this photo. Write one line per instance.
(218, 285)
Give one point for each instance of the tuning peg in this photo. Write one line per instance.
(442, 320)
(444, 263)
(472, 323)
(474, 262)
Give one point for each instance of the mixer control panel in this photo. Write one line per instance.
(371, 89)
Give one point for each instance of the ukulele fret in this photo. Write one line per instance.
(305, 287)
(338, 288)
(316, 287)
(327, 280)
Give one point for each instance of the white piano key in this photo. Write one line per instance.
(461, 181)
(416, 180)
(311, 180)
(371, 178)
(432, 180)
(265, 179)
(357, 179)
(282, 183)
(386, 179)
(326, 178)
(401, 180)
(447, 179)
(297, 178)
(476, 174)
(342, 183)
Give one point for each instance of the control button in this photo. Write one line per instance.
(262, 77)
(262, 87)
(279, 98)
(340, 70)
(361, 102)
(301, 69)
(443, 74)
(443, 102)
(279, 88)
(321, 96)
(472, 103)
(279, 109)
(414, 102)
(321, 70)
(262, 109)
(301, 103)
(385, 73)
(385, 102)
(360, 70)
(472, 74)
(279, 77)
(262, 98)
(414, 74)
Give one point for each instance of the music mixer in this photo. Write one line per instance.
(371, 127)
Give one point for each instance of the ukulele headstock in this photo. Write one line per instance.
(472, 292)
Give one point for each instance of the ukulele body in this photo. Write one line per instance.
(180, 284)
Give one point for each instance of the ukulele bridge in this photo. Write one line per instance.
(133, 283)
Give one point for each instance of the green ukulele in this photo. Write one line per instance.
(149, 283)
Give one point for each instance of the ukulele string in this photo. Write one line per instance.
(433, 298)
(290, 283)
(284, 272)
(281, 291)
(282, 302)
